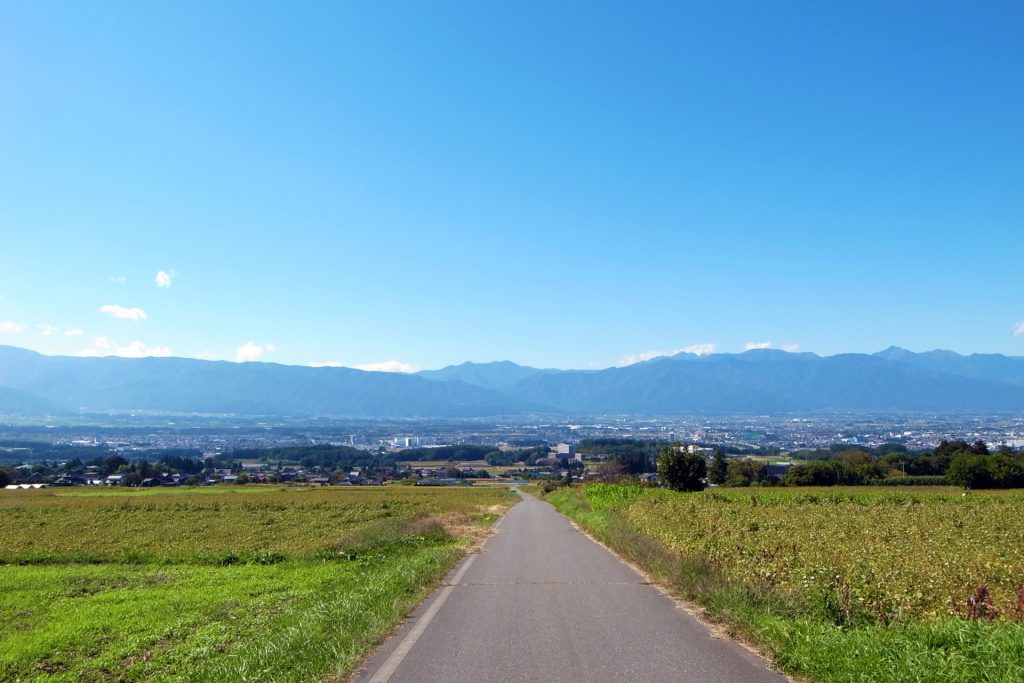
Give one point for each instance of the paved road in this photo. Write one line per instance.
(545, 603)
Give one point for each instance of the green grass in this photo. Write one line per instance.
(735, 551)
(300, 587)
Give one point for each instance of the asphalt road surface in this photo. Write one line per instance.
(545, 603)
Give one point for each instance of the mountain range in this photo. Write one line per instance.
(759, 381)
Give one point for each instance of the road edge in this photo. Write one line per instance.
(391, 643)
(715, 629)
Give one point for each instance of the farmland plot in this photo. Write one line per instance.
(224, 585)
(837, 585)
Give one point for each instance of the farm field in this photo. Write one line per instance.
(836, 584)
(220, 584)
(493, 470)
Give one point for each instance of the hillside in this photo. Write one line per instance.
(761, 381)
(498, 375)
(186, 385)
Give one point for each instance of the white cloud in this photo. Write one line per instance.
(387, 366)
(10, 326)
(790, 348)
(104, 346)
(383, 366)
(698, 349)
(122, 313)
(138, 350)
(73, 332)
(251, 351)
(163, 279)
(117, 280)
(206, 355)
(1018, 330)
(45, 329)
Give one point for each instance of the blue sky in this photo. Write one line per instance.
(558, 184)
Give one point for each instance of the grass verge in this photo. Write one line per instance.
(286, 608)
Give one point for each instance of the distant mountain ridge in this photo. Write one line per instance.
(986, 366)
(770, 382)
(496, 375)
(761, 381)
(196, 386)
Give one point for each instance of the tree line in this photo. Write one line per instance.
(953, 462)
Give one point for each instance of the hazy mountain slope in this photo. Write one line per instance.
(185, 385)
(499, 375)
(993, 367)
(763, 381)
(15, 402)
(772, 382)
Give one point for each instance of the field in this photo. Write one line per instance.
(493, 470)
(836, 584)
(219, 584)
(433, 464)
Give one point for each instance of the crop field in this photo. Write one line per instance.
(837, 584)
(493, 470)
(220, 584)
(475, 464)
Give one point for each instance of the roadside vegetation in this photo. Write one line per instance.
(226, 585)
(835, 584)
(956, 463)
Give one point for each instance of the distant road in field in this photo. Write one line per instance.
(545, 603)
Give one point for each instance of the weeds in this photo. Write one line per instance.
(979, 606)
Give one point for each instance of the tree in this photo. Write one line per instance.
(112, 464)
(719, 467)
(681, 470)
(609, 472)
(944, 454)
(632, 462)
(855, 457)
(970, 471)
(986, 472)
(635, 455)
(144, 469)
(746, 471)
(811, 474)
